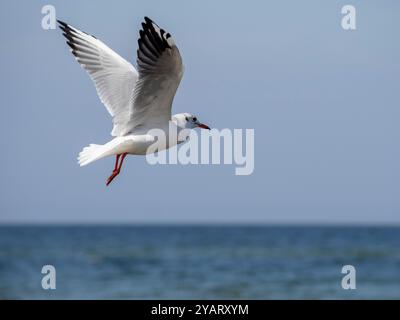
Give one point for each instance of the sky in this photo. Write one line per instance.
(323, 103)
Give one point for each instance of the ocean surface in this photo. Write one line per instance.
(199, 262)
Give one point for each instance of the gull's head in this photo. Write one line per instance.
(189, 121)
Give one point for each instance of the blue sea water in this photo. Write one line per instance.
(199, 262)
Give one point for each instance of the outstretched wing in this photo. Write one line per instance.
(160, 72)
(114, 77)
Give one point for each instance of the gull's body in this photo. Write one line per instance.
(135, 143)
(138, 100)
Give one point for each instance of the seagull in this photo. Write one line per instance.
(138, 100)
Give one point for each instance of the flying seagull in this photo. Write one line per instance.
(138, 100)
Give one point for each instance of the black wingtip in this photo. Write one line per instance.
(62, 23)
(63, 26)
(150, 22)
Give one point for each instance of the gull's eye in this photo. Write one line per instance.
(186, 118)
(194, 119)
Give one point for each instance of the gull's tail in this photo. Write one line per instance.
(92, 153)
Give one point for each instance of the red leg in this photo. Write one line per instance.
(117, 168)
(116, 162)
(122, 160)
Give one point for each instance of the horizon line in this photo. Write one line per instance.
(196, 224)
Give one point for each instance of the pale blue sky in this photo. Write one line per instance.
(324, 104)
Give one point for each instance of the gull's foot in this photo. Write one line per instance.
(111, 178)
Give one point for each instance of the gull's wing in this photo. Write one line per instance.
(160, 72)
(114, 77)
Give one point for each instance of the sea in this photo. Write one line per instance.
(200, 262)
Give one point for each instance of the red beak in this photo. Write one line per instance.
(203, 126)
